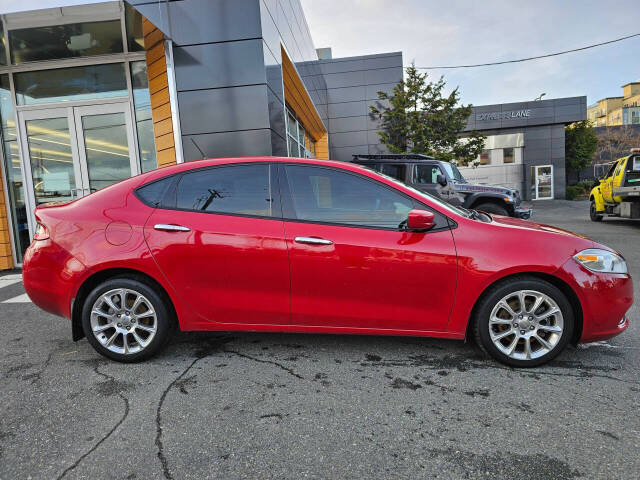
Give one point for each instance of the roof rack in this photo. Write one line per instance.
(393, 156)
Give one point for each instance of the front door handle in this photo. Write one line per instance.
(171, 228)
(313, 241)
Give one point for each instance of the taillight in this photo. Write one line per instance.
(42, 232)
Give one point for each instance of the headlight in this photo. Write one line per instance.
(602, 261)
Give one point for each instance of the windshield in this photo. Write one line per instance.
(453, 172)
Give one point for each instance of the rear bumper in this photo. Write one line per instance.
(605, 299)
(49, 275)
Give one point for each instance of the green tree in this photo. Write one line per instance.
(419, 119)
(581, 143)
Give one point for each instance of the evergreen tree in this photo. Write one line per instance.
(581, 143)
(419, 119)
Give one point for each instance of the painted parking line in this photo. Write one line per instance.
(12, 279)
(24, 298)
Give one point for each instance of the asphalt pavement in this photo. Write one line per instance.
(291, 406)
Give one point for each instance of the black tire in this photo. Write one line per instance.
(492, 208)
(503, 288)
(164, 318)
(593, 213)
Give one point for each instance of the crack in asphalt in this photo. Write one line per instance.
(36, 376)
(109, 433)
(200, 354)
(260, 360)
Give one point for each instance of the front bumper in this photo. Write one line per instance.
(523, 212)
(605, 299)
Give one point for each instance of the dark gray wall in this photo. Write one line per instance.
(543, 132)
(351, 86)
(228, 67)
(221, 81)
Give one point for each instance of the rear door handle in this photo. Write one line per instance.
(313, 241)
(171, 228)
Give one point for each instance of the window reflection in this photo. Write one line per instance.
(144, 121)
(3, 50)
(135, 36)
(69, 84)
(65, 41)
(15, 187)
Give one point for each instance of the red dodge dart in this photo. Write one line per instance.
(294, 245)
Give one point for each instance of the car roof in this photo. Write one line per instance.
(394, 158)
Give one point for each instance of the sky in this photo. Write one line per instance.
(454, 32)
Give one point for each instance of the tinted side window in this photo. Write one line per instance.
(236, 189)
(329, 196)
(426, 174)
(152, 193)
(396, 171)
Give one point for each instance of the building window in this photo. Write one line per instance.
(299, 143)
(70, 84)
(65, 41)
(484, 158)
(135, 36)
(508, 155)
(15, 184)
(3, 51)
(144, 120)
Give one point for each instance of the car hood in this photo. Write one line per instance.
(540, 229)
(472, 187)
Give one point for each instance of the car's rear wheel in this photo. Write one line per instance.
(492, 208)
(593, 213)
(524, 322)
(126, 319)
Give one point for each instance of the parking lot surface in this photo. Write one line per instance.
(318, 406)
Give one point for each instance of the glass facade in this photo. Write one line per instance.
(144, 120)
(11, 155)
(299, 143)
(71, 84)
(99, 65)
(65, 41)
(3, 50)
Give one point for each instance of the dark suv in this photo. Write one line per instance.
(444, 180)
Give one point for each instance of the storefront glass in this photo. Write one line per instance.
(12, 169)
(71, 84)
(135, 36)
(65, 41)
(3, 50)
(144, 121)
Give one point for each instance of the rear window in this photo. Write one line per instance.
(153, 193)
(234, 189)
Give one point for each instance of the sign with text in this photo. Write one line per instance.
(503, 115)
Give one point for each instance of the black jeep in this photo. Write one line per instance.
(444, 180)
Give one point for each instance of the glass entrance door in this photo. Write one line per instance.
(541, 182)
(72, 151)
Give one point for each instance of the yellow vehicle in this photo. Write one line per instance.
(618, 194)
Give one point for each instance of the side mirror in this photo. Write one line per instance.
(420, 220)
(442, 180)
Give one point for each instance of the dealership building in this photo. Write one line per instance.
(94, 92)
(524, 148)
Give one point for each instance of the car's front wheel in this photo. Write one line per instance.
(524, 322)
(126, 319)
(492, 208)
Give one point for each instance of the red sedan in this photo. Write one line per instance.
(292, 245)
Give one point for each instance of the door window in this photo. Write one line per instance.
(325, 195)
(426, 174)
(396, 171)
(237, 189)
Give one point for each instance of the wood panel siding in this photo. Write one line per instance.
(298, 100)
(159, 91)
(6, 258)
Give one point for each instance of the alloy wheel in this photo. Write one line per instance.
(526, 324)
(123, 321)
